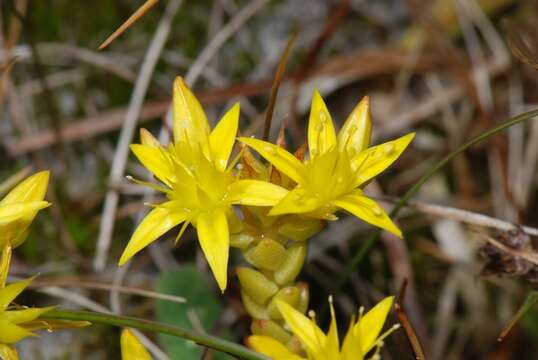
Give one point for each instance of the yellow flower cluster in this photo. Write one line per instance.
(201, 187)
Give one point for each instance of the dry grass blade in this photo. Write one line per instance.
(406, 324)
(276, 84)
(107, 287)
(142, 10)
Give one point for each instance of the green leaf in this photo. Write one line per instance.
(202, 304)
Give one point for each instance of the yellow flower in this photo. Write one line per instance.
(19, 208)
(131, 348)
(17, 322)
(337, 168)
(199, 182)
(362, 336)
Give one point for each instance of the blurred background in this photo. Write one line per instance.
(446, 69)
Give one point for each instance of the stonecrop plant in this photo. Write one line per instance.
(282, 204)
(267, 210)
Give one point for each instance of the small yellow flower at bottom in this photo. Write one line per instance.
(131, 348)
(362, 337)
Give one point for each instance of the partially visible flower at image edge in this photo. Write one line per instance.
(16, 322)
(363, 336)
(131, 348)
(337, 169)
(199, 182)
(19, 208)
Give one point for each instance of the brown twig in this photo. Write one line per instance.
(406, 324)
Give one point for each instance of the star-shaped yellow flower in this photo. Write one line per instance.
(362, 337)
(20, 206)
(199, 182)
(337, 168)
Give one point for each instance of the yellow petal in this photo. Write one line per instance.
(357, 130)
(271, 347)
(280, 158)
(190, 122)
(156, 160)
(255, 192)
(297, 201)
(221, 140)
(12, 333)
(8, 353)
(13, 211)
(368, 210)
(146, 138)
(10, 292)
(332, 345)
(321, 134)
(370, 325)
(305, 329)
(155, 224)
(131, 348)
(25, 315)
(212, 228)
(372, 161)
(32, 188)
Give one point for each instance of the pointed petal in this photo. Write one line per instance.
(155, 159)
(271, 347)
(321, 134)
(214, 237)
(5, 260)
(368, 210)
(32, 188)
(25, 315)
(12, 333)
(370, 325)
(10, 292)
(357, 130)
(190, 122)
(131, 348)
(280, 158)
(305, 329)
(155, 224)
(332, 345)
(14, 211)
(147, 138)
(372, 161)
(222, 138)
(8, 353)
(297, 201)
(255, 192)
